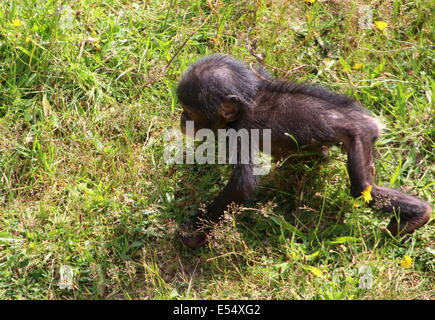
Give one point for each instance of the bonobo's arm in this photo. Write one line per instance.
(240, 188)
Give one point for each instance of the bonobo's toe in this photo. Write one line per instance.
(412, 223)
(191, 236)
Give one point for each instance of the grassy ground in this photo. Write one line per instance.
(86, 92)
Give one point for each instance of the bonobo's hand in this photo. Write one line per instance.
(191, 236)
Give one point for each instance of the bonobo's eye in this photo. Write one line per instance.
(185, 116)
(188, 113)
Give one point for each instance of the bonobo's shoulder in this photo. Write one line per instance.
(316, 91)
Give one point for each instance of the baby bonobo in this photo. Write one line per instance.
(219, 92)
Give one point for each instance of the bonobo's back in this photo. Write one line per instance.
(331, 99)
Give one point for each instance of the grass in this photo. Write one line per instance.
(86, 92)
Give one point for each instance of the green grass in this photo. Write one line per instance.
(86, 92)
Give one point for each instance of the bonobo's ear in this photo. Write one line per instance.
(231, 109)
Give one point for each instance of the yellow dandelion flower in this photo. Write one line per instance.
(357, 66)
(316, 271)
(28, 38)
(16, 23)
(310, 1)
(381, 25)
(366, 194)
(406, 262)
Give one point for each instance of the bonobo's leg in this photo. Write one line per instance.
(240, 188)
(410, 212)
(359, 165)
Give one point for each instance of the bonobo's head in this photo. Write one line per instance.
(215, 92)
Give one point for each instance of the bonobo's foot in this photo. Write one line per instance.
(191, 236)
(413, 213)
(408, 226)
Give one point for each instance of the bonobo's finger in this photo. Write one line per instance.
(191, 237)
(194, 241)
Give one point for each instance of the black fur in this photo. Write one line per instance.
(215, 77)
(221, 92)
